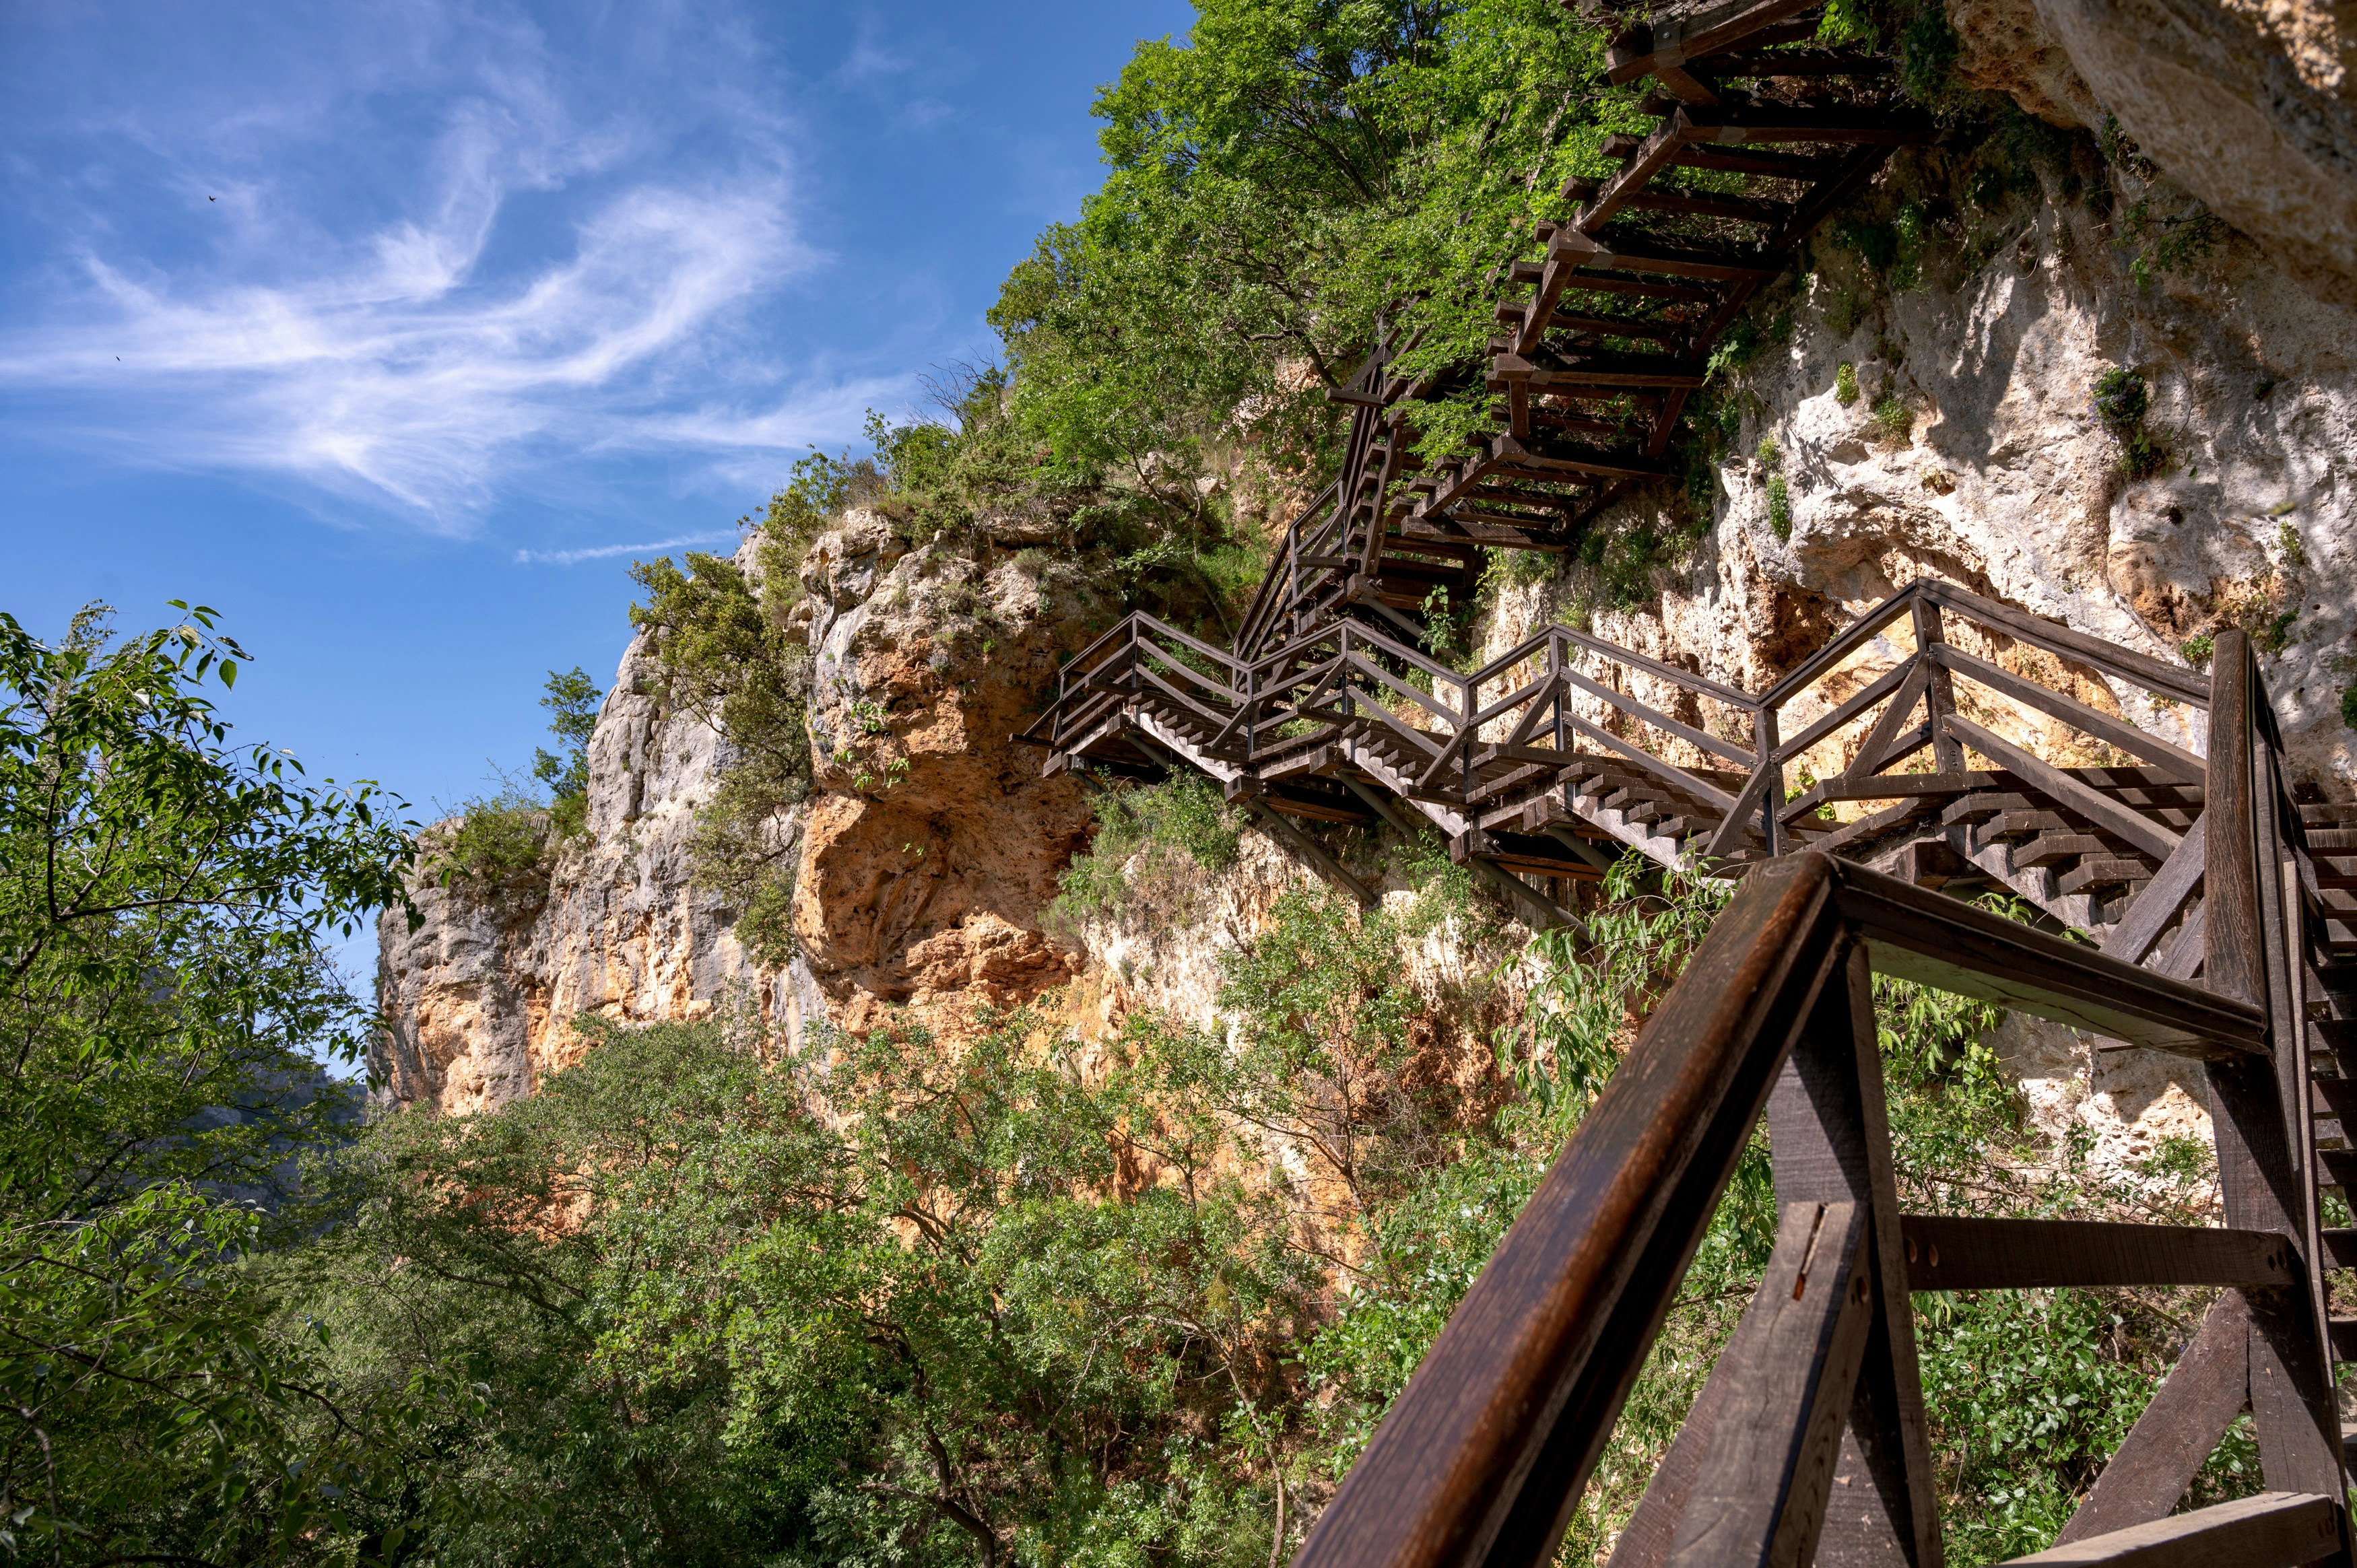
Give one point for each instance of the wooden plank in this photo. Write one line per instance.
(2157, 904)
(1952, 1253)
(1653, 1529)
(2174, 1437)
(1890, 681)
(1886, 728)
(1875, 125)
(2108, 658)
(2171, 759)
(2274, 1530)
(1760, 1493)
(1700, 685)
(1651, 157)
(1828, 1126)
(1710, 29)
(1846, 641)
(1483, 1454)
(1310, 850)
(1927, 937)
(1702, 740)
(2259, 1175)
(1685, 782)
(1760, 161)
(2060, 787)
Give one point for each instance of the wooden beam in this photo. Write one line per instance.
(2274, 1530)
(2174, 1437)
(1948, 1252)
(1759, 1496)
(2174, 760)
(2157, 904)
(1931, 939)
(1829, 1131)
(2066, 792)
(1310, 850)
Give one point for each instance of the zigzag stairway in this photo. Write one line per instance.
(2186, 901)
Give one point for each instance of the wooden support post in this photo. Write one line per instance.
(1829, 1129)
(1939, 689)
(1760, 1495)
(2173, 1438)
(1827, 1125)
(1764, 742)
(2292, 1402)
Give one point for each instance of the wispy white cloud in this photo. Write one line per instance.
(607, 551)
(539, 286)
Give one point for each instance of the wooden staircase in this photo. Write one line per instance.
(2183, 902)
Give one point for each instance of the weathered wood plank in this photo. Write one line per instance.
(1759, 1496)
(2055, 637)
(1927, 937)
(2175, 1435)
(1482, 1456)
(2171, 759)
(2093, 804)
(2274, 1530)
(2157, 904)
(1829, 1127)
(1954, 1252)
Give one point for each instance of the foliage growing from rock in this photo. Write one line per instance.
(720, 641)
(2121, 399)
(1183, 830)
(571, 699)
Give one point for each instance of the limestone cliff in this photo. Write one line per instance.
(1960, 441)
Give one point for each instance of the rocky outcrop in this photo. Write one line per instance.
(481, 999)
(926, 853)
(934, 845)
(2248, 103)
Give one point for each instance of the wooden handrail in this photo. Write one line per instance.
(1482, 1457)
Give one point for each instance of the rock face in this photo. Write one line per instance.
(934, 845)
(2248, 103)
(1961, 443)
(927, 851)
(481, 998)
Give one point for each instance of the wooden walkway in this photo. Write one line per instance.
(2217, 915)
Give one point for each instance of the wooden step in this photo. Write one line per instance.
(2337, 1167)
(2099, 871)
(2054, 848)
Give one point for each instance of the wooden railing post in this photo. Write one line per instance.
(1939, 689)
(2251, 1103)
(1765, 741)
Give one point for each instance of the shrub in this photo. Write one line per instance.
(1183, 826)
(2349, 706)
(1892, 420)
(2196, 650)
(2122, 398)
(1843, 312)
(495, 844)
(1846, 383)
(1780, 507)
(1770, 455)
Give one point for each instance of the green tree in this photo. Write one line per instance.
(165, 991)
(572, 700)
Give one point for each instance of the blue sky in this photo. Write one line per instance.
(394, 331)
